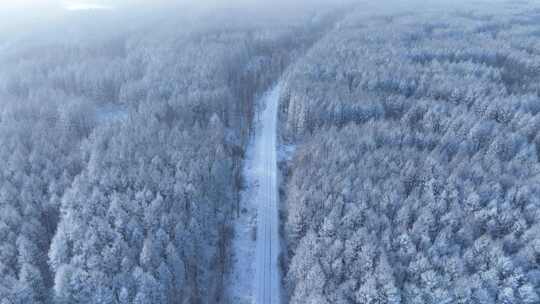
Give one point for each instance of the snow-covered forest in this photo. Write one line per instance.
(413, 131)
(416, 176)
(121, 150)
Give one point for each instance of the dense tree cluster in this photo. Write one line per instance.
(120, 155)
(417, 176)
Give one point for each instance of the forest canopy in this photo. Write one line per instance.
(416, 173)
(121, 148)
(413, 178)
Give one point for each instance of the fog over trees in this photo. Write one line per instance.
(414, 179)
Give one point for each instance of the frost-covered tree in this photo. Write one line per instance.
(121, 150)
(416, 158)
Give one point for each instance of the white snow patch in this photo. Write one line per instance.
(241, 278)
(110, 113)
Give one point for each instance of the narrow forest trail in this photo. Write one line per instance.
(255, 276)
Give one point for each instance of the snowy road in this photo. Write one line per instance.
(255, 277)
(267, 285)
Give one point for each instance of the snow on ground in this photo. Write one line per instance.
(241, 278)
(254, 276)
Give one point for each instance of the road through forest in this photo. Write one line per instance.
(267, 282)
(255, 277)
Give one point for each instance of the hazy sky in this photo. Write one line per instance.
(19, 16)
(25, 5)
